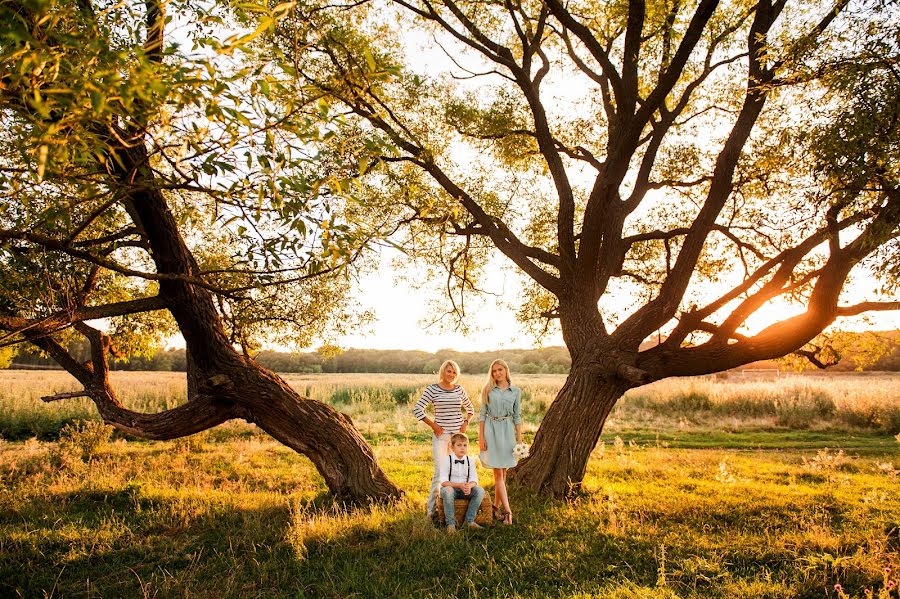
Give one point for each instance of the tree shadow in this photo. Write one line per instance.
(127, 543)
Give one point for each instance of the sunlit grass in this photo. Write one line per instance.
(247, 517)
(379, 404)
(704, 487)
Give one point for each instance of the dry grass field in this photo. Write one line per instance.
(379, 403)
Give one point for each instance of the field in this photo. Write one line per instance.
(699, 488)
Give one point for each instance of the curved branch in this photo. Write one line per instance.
(791, 334)
(31, 328)
(52, 243)
(600, 54)
(862, 307)
(658, 311)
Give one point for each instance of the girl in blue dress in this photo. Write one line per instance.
(499, 430)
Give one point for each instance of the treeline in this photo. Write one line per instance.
(548, 360)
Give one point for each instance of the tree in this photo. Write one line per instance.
(703, 159)
(162, 189)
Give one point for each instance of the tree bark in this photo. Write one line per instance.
(327, 437)
(222, 383)
(569, 433)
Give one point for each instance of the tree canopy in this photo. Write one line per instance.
(230, 146)
(701, 159)
(155, 173)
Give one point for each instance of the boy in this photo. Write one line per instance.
(459, 480)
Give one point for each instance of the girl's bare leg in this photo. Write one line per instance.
(500, 492)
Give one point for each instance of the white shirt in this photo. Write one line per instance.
(458, 473)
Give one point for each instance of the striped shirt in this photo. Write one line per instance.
(447, 404)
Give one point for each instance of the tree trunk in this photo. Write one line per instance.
(221, 378)
(569, 433)
(318, 431)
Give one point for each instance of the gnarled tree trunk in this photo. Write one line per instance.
(568, 434)
(222, 377)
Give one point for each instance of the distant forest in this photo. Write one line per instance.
(548, 360)
(530, 361)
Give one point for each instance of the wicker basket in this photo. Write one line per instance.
(484, 517)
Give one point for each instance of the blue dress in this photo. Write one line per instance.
(500, 414)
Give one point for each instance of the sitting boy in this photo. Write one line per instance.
(459, 480)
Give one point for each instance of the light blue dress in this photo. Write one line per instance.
(500, 414)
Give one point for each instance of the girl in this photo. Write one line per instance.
(499, 430)
(448, 398)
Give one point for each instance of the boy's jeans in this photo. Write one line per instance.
(450, 494)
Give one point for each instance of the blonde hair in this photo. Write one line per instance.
(486, 390)
(444, 365)
(458, 437)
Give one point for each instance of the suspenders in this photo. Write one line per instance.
(468, 467)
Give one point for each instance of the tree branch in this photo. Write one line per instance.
(32, 328)
(659, 310)
(862, 307)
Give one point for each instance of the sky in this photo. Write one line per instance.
(401, 316)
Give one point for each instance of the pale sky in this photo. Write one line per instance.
(401, 314)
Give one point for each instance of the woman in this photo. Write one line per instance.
(499, 430)
(448, 398)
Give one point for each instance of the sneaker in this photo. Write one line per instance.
(474, 525)
(451, 529)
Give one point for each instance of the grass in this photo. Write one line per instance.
(724, 499)
(248, 517)
(379, 404)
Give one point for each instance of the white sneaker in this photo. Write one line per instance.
(451, 529)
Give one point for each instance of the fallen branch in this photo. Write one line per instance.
(66, 395)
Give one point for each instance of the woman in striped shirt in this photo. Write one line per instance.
(448, 399)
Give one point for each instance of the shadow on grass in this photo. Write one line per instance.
(127, 544)
(131, 543)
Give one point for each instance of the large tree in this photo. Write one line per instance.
(698, 159)
(169, 186)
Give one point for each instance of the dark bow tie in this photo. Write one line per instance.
(459, 461)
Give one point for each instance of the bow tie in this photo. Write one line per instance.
(459, 461)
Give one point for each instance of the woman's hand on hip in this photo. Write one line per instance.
(438, 431)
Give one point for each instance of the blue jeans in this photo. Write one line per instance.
(450, 494)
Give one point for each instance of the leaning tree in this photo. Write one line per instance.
(162, 183)
(701, 160)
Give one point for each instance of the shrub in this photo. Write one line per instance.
(192, 443)
(803, 406)
(691, 401)
(403, 394)
(85, 438)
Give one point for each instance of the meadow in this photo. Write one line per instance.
(713, 487)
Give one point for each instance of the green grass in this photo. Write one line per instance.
(246, 517)
(862, 443)
(699, 488)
